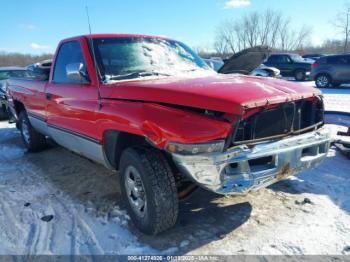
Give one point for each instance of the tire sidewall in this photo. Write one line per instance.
(131, 158)
(328, 79)
(300, 72)
(23, 117)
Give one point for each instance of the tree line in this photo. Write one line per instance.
(18, 59)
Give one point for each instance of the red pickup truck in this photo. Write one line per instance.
(150, 108)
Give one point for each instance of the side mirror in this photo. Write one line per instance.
(75, 72)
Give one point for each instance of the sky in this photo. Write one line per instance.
(37, 26)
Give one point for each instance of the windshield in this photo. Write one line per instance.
(297, 58)
(128, 58)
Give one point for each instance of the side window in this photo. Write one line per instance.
(322, 60)
(337, 60)
(285, 59)
(279, 59)
(331, 60)
(69, 53)
(342, 60)
(274, 59)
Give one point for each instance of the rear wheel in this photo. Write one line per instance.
(322, 81)
(32, 140)
(148, 189)
(300, 75)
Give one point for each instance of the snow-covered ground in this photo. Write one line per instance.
(56, 202)
(336, 99)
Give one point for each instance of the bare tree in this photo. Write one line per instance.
(18, 59)
(342, 24)
(268, 28)
(225, 37)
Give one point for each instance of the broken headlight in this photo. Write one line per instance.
(195, 149)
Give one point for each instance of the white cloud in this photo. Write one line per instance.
(28, 27)
(237, 3)
(37, 46)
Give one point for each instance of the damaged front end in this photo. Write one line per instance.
(265, 146)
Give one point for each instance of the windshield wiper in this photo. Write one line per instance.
(136, 74)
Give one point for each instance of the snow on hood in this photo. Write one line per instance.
(225, 93)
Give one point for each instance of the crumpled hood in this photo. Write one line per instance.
(224, 93)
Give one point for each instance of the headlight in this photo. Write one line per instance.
(195, 149)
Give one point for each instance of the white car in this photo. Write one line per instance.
(267, 71)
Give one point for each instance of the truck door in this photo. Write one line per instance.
(72, 103)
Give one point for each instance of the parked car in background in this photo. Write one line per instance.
(40, 70)
(5, 74)
(167, 122)
(331, 70)
(290, 65)
(267, 71)
(313, 56)
(215, 64)
(3, 102)
(248, 62)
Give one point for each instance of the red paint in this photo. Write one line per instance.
(142, 106)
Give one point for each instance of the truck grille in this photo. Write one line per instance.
(285, 119)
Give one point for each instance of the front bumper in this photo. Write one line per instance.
(242, 168)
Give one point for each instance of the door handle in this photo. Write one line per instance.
(48, 96)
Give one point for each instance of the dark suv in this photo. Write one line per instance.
(290, 65)
(331, 70)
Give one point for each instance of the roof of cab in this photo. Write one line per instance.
(94, 36)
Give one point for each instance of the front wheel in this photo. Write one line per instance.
(322, 81)
(149, 189)
(32, 140)
(300, 75)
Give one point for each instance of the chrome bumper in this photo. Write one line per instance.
(242, 168)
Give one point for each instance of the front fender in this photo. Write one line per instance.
(160, 123)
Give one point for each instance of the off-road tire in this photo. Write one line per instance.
(37, 141)
(300, 75)
(159, 188)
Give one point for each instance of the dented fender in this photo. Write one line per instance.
(160, 124)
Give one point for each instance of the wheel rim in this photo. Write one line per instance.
(25, 131)
(135, 191)
(322, 81)
(300, 76)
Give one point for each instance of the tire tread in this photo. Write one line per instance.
(163, 185)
